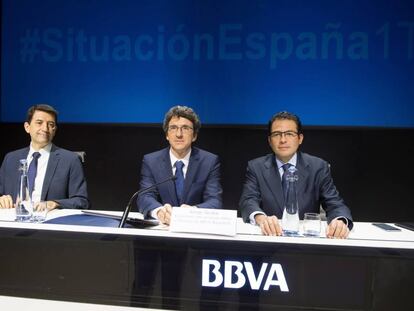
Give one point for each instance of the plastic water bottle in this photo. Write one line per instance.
(24, 207)
(290, 219)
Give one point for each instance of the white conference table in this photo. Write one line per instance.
(377, 265)
(364, 234)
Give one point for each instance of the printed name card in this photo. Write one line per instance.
(203, 220)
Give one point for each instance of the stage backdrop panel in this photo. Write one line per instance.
(346, 63)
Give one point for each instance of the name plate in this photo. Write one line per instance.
(203, 220)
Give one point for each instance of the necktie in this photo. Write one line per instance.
(32, 171)
(284, 179)
(179, 182)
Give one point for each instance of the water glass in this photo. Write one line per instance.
(312, 225)
(40, 210)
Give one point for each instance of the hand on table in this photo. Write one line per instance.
(164, 214)
(6, 201)
(268, 224)
(337, 229)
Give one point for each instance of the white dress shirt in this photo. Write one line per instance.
(185, 160)
(41, 170)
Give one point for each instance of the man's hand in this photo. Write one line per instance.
(337, 229)
(164, 214)
(268, 224)
(51, 205)
(6, 201)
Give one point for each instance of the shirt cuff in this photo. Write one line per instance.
(251, 217)
(154, 212)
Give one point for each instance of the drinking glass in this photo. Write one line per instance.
(40, 210)
(312, 225)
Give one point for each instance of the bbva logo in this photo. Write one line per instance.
(234, 277)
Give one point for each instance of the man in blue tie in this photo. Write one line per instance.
(197, 184)
(261, 202)
(55, 175)
(197, 172)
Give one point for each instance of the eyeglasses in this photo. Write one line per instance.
(184, 129)
(287, 134)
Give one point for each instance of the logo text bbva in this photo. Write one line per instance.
(235, 273)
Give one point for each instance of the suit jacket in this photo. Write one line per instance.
(64, 179)
(201, 185)
(262, 190)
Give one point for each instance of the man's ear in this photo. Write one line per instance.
(301, 138)
(26, 126)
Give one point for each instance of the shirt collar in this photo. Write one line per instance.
(45, 150)
(293, 160)
(185, 160)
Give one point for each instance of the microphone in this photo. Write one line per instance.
(136, 194)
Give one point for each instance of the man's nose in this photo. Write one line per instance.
(45, 127)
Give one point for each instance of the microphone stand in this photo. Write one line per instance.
(135, 195)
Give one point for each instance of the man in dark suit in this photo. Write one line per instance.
(201, 170)
(197, 185)
(59, 177)
(262, 199)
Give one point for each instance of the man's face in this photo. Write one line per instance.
(284, 139)
(42, 129)
(180, 135)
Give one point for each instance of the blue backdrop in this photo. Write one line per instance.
(346, 63)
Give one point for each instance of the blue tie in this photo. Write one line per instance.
(179, 182)
(284, 179)
(32, 171)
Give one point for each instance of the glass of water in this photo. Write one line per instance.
(40, 210)
(312, 225)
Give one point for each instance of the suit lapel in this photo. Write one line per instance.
(303, 174)
(192, 169)
(166, 172)
(24, 153)
(274, 182)
(54, 159)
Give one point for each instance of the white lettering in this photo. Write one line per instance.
(255, 283)
(235, 278)
(276, 270)
(228, 274)
(218, 280)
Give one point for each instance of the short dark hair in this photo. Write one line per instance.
(41, 107)
(182, 112)
(284, 115)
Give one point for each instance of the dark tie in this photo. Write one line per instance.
(179, 182)
(32, 171)
(284, 179)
